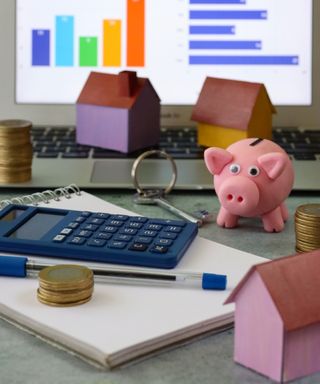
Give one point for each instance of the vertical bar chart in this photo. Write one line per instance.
(88, 51)
(40, 47)
(111, 43)
(135, 33)
(64, 41)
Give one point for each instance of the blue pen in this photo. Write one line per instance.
(23, 267)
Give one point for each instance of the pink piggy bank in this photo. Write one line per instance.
(252, 177)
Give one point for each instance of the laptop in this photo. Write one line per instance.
(39, 81)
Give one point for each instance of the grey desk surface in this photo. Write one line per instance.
(27, 359)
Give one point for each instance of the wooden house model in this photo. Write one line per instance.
(277, 317)
(231, 110)
(120, 112)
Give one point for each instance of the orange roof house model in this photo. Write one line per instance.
(231, 110)
(277, 317)
(118, 112)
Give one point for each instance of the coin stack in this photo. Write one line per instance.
(307, 225)
(65, 285)
(15, 151)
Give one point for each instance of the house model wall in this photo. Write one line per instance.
(118, 112)
(230, 110)
(277, 317)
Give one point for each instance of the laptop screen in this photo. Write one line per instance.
(49, 48)
(174, 43)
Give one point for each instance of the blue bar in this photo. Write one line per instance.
(220, 44)
(231, 15)
(64, 41)
(244, 60)
(212, 29)
(217, 2)
(41, 47)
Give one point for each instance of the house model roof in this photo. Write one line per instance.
(294, 286)
(109, 90)
(228, 103)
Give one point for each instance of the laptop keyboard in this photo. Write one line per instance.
(180, 143)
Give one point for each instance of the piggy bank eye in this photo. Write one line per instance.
(234, 168)
(253, 171)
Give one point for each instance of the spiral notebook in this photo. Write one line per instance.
(123, 323)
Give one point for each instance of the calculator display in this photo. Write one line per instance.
(37, 226)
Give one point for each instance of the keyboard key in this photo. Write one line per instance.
(117, 244)
(138, 247)
(159, 249)
(97, 242)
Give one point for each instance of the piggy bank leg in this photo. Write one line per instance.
(226, 219)
(284, 212)
(273, 220)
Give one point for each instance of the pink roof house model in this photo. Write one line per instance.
(277, 317)
(119, 112)
(230, 110)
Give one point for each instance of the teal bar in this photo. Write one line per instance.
(64, 41)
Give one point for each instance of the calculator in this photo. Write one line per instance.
(94, 236)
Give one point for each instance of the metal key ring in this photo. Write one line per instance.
(137, 162)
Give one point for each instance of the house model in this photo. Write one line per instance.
(230, 110)
(119, 112)
(277, 317)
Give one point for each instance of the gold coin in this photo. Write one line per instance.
(66, 287)
(70, 304)
(65, 275)
(14, 124)
(64, 296)
(309, 210)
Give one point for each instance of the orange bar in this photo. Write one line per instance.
(135, 33)
(111, 43)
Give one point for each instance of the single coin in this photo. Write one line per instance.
(65, 274)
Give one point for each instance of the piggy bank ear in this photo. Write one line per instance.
(273, 163)
(216, 159)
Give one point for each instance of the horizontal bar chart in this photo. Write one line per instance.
(228, 15)
(220, 44)
(212, 30)
(244, 60)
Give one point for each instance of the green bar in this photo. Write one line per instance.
(88, 52)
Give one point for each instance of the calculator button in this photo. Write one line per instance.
(154, 227)
(80, 219)
(119, 217)
(85, 214)
(166, 242)
(123, 237)
(134, 224)
(103, 235)
(73, 225)
(159, 249)
(138, 247)
(144, 239)
(177, 223)
(115, 223)
(66, 231)
(59, 238)
(84, 233)
(117, 244)
(168, 235)
(77, 240)
(149, 233)
(101, 215)
(139, 219)
(110, 229)
(95, 221)
(90, 227)
(173, 228)
(128, 231)
(97, 242)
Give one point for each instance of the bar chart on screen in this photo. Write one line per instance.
(174, 43)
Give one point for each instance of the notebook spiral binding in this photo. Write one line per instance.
(43, 197)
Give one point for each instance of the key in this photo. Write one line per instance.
(156, 197)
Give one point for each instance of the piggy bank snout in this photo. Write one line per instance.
(239, 195)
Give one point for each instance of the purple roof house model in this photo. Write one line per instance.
(119, 112)
(277, 317)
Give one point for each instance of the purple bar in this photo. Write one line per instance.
(231, 15)
(244, 60)
(212, 29)
(41, 47)
(217, 2)
(223, 44)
